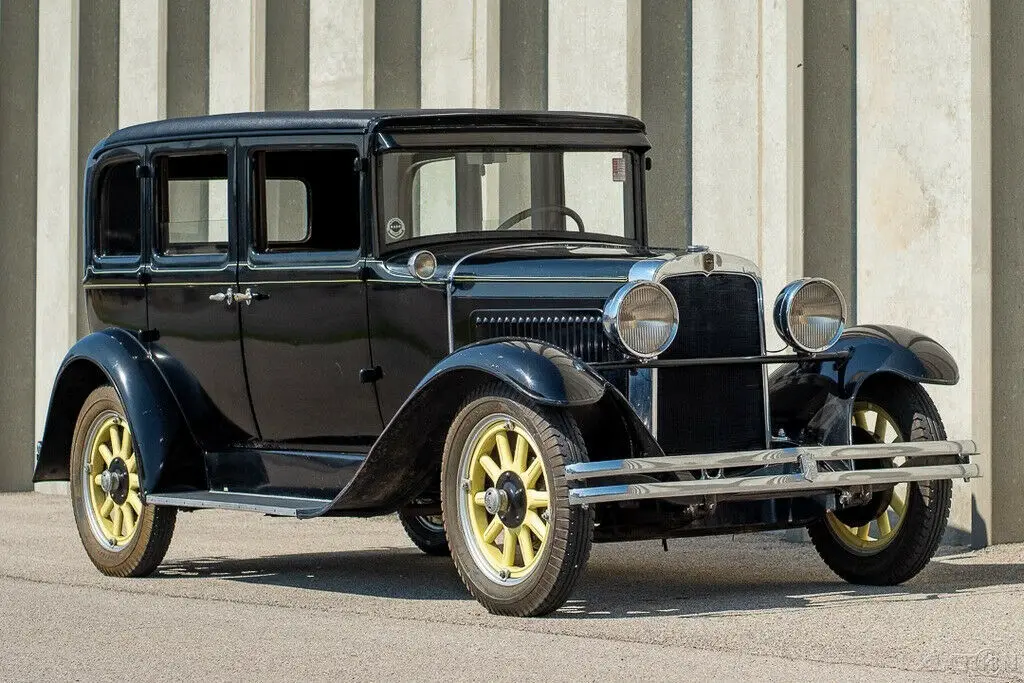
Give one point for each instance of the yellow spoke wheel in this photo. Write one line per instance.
(505, 500)
(875, 424)
(111, 482)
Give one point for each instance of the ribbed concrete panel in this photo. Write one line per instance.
(287, 54)
(237, 55)
(396, 73)
(665, 107)
(142, 82)
(188, 57)
(19, 54)
(459, 53)
(341, 42)
(524, 54)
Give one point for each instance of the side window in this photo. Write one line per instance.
(192, 203)
(117, 228)
(306, 200)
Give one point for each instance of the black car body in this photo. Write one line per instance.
(292, 310)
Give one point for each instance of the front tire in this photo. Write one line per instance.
(892, 538)
(122, 535)
(516, 542)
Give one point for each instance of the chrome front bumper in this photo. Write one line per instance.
(810, 479)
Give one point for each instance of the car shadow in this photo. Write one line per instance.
(615, 585)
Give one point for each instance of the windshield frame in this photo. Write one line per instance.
(460, 142)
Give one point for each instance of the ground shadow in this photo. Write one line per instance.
(727, 580)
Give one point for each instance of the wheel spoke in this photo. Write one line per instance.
(132, 463)
(532, 473)
(108, 505)
(884, 527)
(105, 453)
(860, 419)
(116, 516)
(508, 551)
(491, 468)
(133, 482)
(525, 546)
(864, 532)
(536, 525)
(898, 505)
(504, 450)
(881, 427)
(493, 529)
(522, 451)
(537, 499)
(126, 443)
(135, 502)
(478, 498)
(127, 520)
(115, 438)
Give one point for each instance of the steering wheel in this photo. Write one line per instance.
(528, 213)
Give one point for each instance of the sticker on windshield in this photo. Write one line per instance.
(618, 170)
(395, 228)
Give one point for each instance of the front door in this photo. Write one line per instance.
(304, 307)
(194, 324)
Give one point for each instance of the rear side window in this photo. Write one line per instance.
(192, 204)
(117, 229)
(306, 200)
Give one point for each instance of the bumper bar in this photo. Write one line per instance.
(809, 479)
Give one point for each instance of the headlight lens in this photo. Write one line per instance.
(810, 314)
(642, 318)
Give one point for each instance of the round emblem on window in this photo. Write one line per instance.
(395, 228)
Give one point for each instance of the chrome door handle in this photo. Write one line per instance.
(249, 296)
(226, 297)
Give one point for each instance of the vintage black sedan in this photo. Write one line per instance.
(456, 316)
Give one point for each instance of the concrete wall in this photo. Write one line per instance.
(19, 54)
(914, 186)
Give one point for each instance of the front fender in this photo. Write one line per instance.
(816, 397)
(115, 357)
(541, 372)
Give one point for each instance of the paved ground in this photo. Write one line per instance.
(244, 597)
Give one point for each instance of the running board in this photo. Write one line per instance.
(278, 506)
(809, 479)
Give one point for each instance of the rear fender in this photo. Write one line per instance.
(169, 453)
(813, 401)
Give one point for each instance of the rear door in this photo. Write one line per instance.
(195, 325)
(304, 316)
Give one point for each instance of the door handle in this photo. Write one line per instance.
(226, 297)
(248, 296)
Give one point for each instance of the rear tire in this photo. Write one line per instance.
(889, 552)
(122, 535)
(518, 545)
(426, 532)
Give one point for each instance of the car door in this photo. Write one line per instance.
(303, 312)
(194, 322)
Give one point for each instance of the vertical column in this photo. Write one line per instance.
(188, 57)
(830, 135)
(56, 195)
(237, 55)
(665, 103)
(341, 43)
(747, 135)
(288, 54)
(19, 55)
(913, 179)
(396, 73)
(142, 82)
(999, 497)
(459, 53)
(524, 55)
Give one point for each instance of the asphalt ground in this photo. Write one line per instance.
(245, 597)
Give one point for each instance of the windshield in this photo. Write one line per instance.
(466, 193)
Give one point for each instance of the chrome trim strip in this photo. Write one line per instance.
(777, 486)
(641, 388)
(772, 456)
(472, 278)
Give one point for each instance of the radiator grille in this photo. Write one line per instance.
(711, 409)
(579, 332)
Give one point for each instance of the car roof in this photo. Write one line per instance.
(362, 121)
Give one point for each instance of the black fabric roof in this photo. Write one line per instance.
(362, 121)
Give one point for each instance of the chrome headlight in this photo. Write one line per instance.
(810, 314)
(642, 318)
